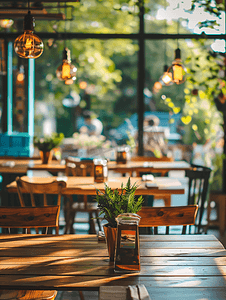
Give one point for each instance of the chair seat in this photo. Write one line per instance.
(27, 295)
(87, 207)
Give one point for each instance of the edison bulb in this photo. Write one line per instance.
(66, 71)
(28, 44)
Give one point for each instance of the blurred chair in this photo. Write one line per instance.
(167, 216)
(24, 187)
(165, 198)
(82, 203)
(219, 199)
(27, 218)
(197, 190)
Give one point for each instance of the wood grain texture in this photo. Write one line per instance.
(29, 217)
(189, 266)
(167, 216)
(87, 186)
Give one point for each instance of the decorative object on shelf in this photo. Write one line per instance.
(46, 144)
(100, 170)
(113, 203)
(28, 45)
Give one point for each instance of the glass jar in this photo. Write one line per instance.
(100, 170)
(127, 253)
(122, 155)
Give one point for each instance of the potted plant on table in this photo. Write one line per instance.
(46, 144)
(113, 203)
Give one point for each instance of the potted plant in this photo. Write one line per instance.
(46, 144)
(114, 202)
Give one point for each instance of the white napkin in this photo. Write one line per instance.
(148, 177)
(138, 292)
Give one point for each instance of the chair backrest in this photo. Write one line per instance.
(198, 187)
(167, 216)
(150, 158)
(77, 167)
(53, 187)
(29, 217)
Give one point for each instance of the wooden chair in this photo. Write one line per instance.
(75, 167)
(29, 217)
(219, 198)
(37, 188)
(165, 198)
(167, 216)
(197, 189)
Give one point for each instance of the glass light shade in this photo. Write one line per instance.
(28, 45)
(166, 78)
(6, 23)
(66, 71)
(177, 69)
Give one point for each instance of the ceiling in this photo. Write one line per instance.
(16, 10)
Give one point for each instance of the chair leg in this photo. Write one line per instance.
(98, 221)
(81, 295)
(71, 221)
(67, 212)
(91, 224)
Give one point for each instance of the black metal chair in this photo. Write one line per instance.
(198, 189)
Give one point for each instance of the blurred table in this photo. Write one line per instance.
(87, 186)
(188, 267)
(148, 167)
(11, 167)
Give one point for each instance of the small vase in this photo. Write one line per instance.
(110, 235)
(46, 156)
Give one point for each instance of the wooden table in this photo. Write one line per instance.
(10, 168)
(87, 186)
(189, 267)
(148, 167)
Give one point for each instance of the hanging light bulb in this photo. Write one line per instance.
(6, 23)
(66, 71)
(177, 69)
(166, 78)
(28, 45)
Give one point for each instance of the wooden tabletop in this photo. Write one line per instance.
(19, 165)
(87, 186)
(149, 167)
(172, 267)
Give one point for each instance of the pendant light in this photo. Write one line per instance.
(177, 69)
(28, 45)
(6, 23)
(166, 78)
(66, 71)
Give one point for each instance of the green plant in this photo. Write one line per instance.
(48, 142)
(112, 202)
